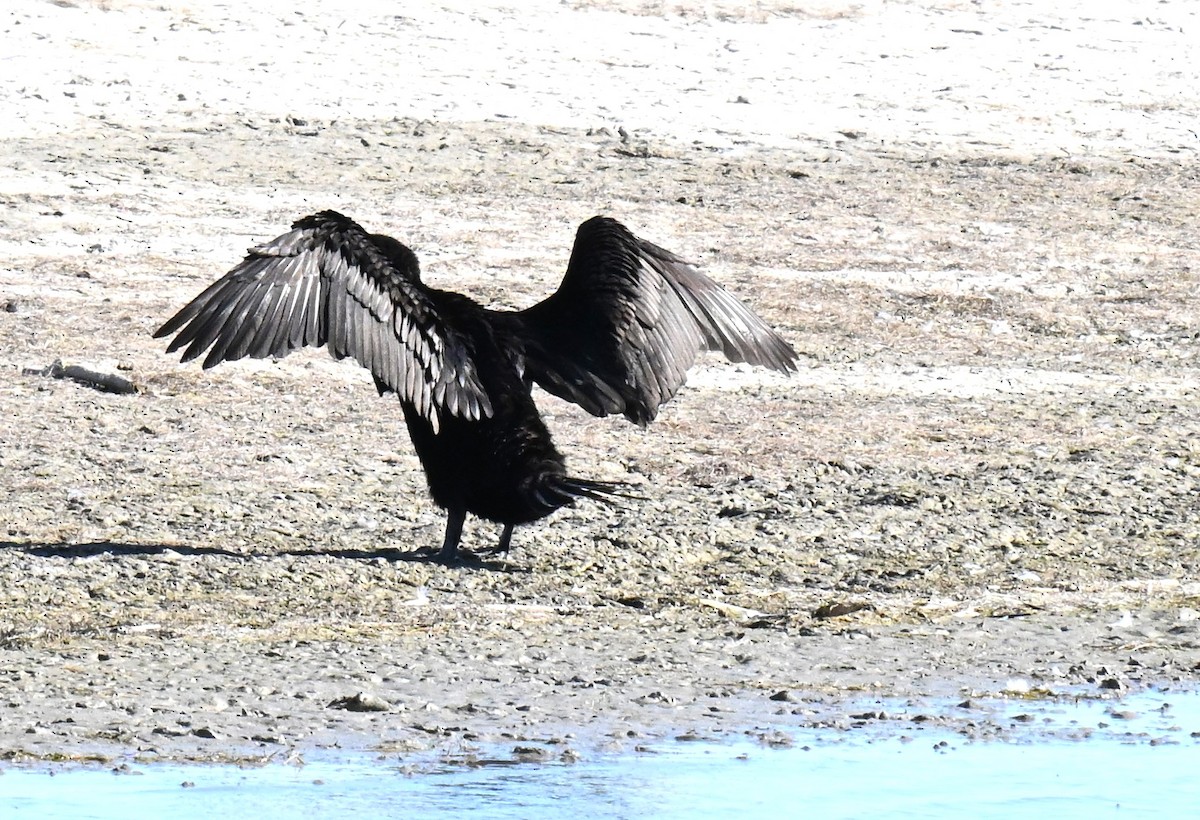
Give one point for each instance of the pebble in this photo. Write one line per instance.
(361, 702)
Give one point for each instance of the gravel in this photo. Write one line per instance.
(984, 482)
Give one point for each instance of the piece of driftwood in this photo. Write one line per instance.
(106, 382)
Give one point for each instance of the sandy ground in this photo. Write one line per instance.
(975, 222)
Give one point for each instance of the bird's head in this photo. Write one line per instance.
(398, 254)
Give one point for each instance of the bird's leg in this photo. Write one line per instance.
(505, 540)
(454, 525)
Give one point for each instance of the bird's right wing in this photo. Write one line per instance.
(327, 281)
(629, 319)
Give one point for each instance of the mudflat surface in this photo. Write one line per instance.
(976, 225)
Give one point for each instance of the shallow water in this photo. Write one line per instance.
(1130, 758)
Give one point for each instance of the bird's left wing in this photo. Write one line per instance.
(628, 320)
(327, 281)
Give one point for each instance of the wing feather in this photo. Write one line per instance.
(629, 319)
(277, 301)
(327, 281)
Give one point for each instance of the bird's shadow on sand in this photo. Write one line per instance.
(466, 560)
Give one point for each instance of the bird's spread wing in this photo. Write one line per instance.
(627, 322)
(327, 281)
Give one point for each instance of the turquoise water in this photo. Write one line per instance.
(1144, 763)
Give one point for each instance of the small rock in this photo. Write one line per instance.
(531, 754)
(776, 740)
(362, 702)
(838, 609)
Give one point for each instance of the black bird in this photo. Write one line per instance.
(618, 336)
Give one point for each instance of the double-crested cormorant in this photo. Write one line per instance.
(618, 336)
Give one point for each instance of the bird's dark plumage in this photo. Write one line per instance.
(618, 336)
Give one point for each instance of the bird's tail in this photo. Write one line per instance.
(602, 491)
(554, 491)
